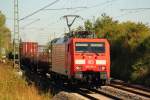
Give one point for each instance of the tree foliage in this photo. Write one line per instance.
(5, 36)
(88, 25)
(130, 47)
(2, 19)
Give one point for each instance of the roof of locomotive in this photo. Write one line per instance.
(28, 42)
(73, 34)
(84, 35)
(60, 40)
(64, 40)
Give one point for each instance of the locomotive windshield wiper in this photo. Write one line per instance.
(85, 51)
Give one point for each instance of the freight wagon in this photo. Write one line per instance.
(28, 54)
(34, 57)
(43, 59)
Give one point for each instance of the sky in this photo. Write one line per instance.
(47, 24)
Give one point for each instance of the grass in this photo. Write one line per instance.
(14, 87)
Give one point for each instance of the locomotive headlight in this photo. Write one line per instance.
(78, 67)
(79, 61)
(103, 68)
(101, 62)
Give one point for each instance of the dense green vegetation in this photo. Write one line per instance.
(130, 48)
(5, 36)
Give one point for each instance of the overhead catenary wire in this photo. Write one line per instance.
(103, 3)
(129, 12)
(82, 7)
(97, 5)
(30, 23)
(71, 8)
(135, 9)
(39, 10)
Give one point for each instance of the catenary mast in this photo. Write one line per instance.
(16, 38)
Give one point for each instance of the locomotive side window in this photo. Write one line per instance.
(97, 47)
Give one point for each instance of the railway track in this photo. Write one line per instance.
(122, 91)
(113, 91)
(132, 90)
(119, 82)
(93, 94)
(82, 92)
(126, 91)
(104, 93)
(45, 84)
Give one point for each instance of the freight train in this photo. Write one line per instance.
(34, 57)
(76, 57)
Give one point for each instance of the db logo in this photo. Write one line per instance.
(90, 62)
(89, 57)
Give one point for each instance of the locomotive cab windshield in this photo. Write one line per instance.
(91, 47)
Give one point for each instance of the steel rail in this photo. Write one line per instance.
(129, 89)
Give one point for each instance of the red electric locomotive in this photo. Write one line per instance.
(81, 57)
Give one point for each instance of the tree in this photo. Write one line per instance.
(88, 26)
(2, 19)
(5, 36)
